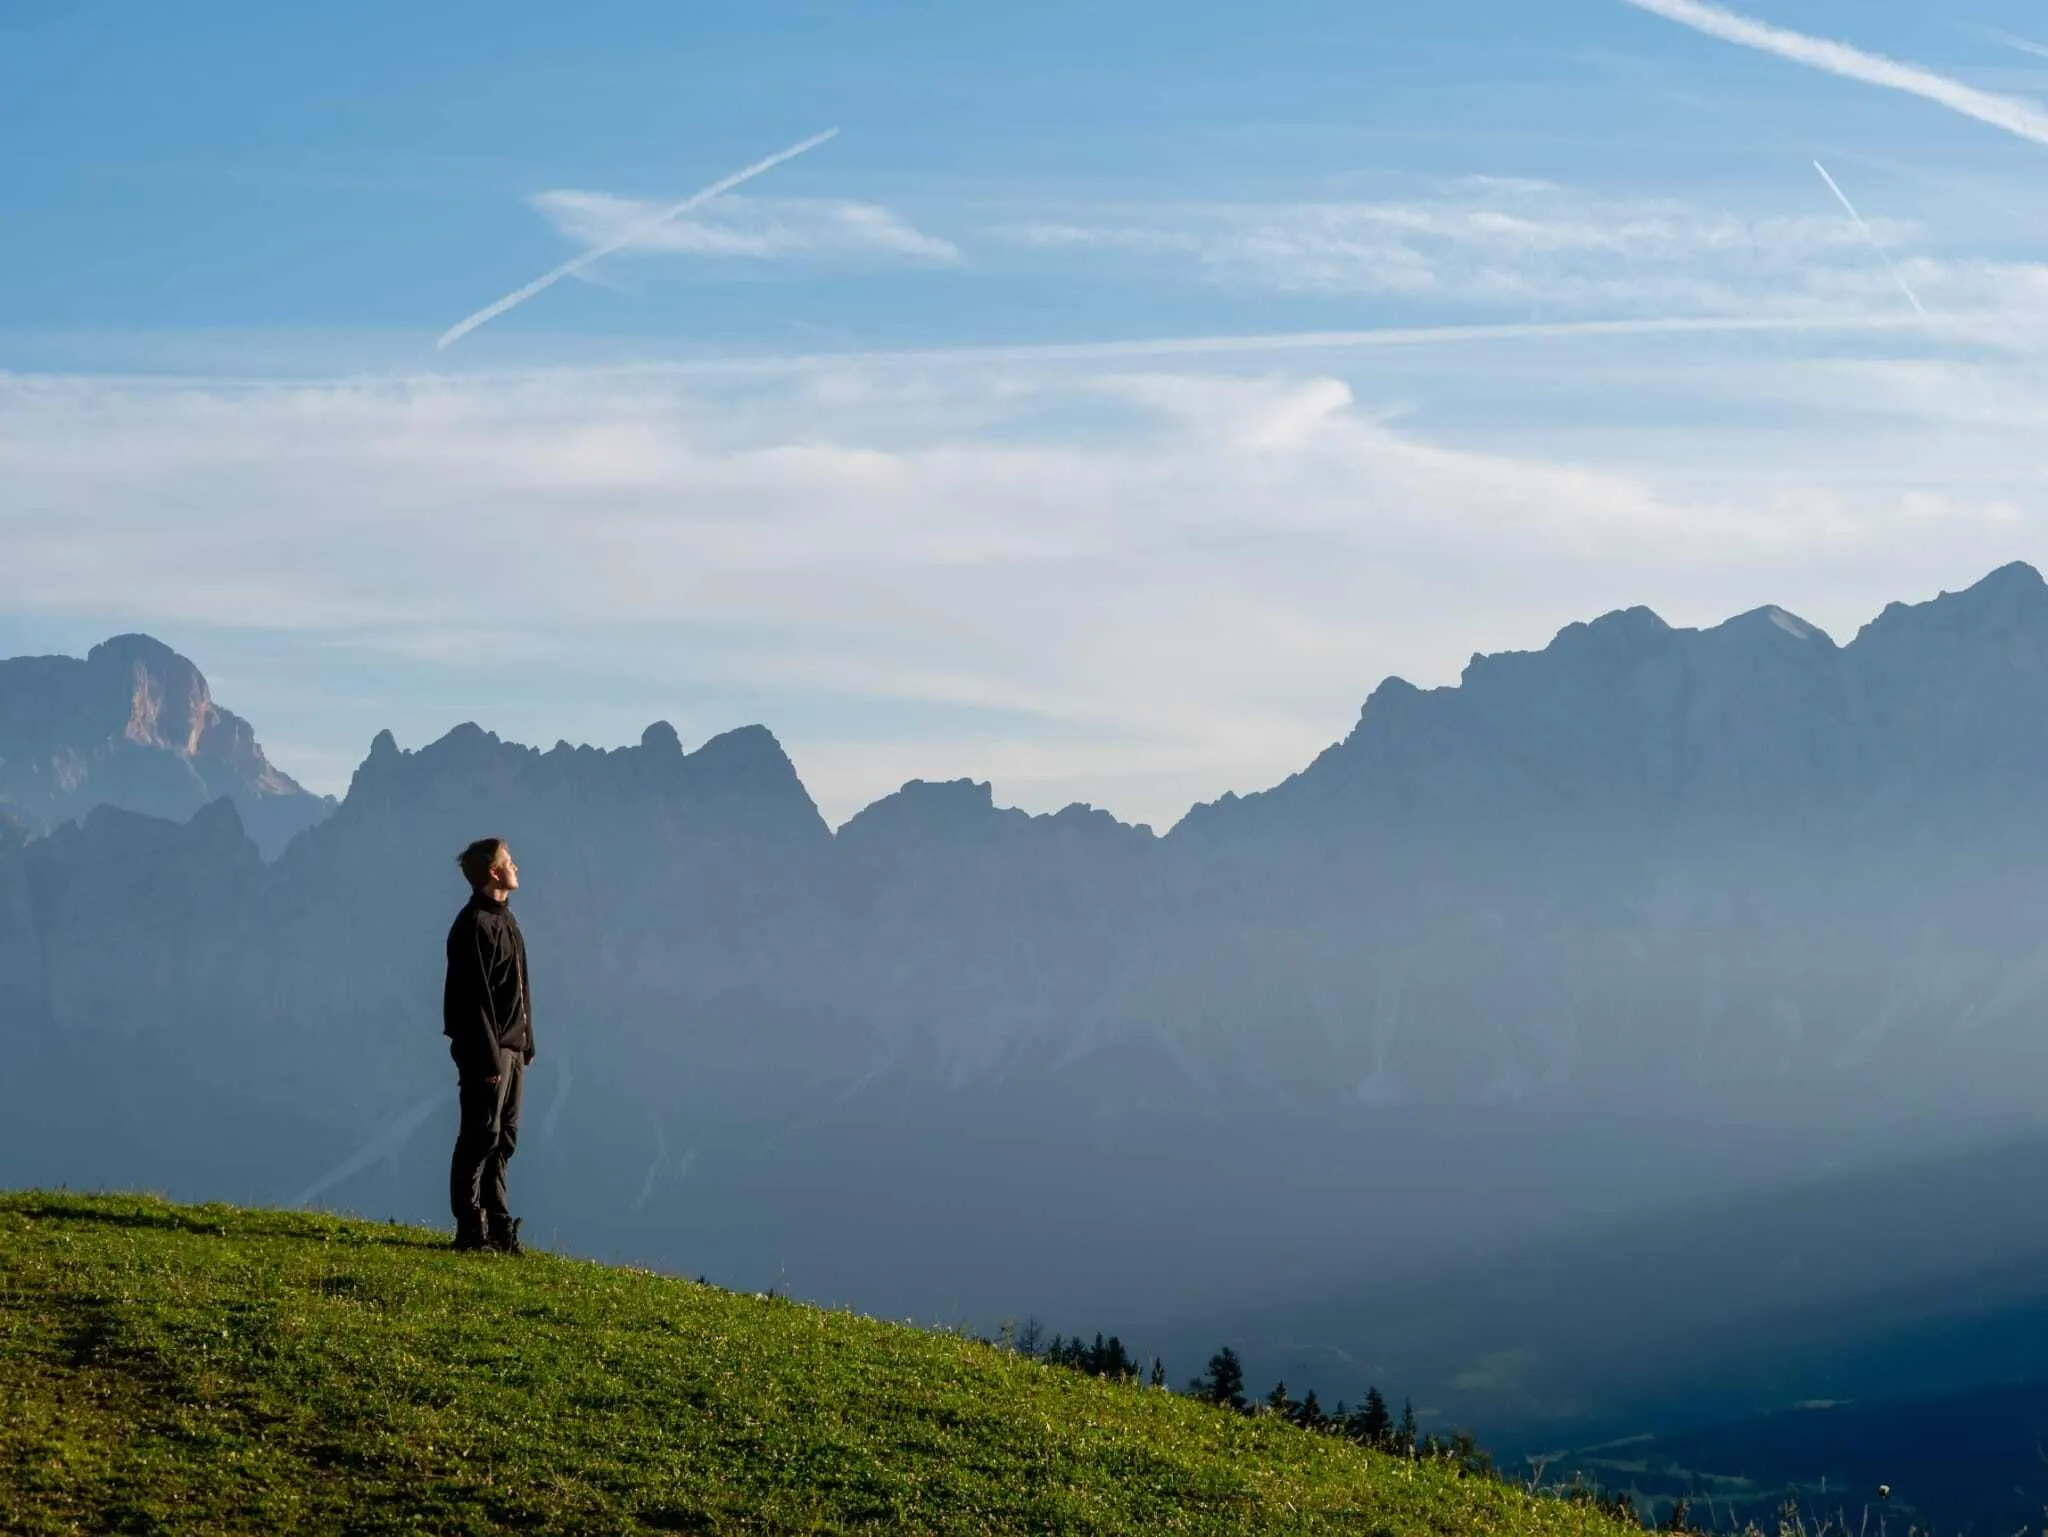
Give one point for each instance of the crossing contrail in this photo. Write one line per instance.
(637, 232)
(654, 1168)
(1871, 235)
(561, 1098)
(389, 1139)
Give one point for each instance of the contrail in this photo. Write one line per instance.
(561, 1098)
(1871, 235)
(1842, 323)
(387, 1142)
(2020, 44)
(1253, 343)
(654, 1168)
(2014, 114)
(640, 231)
(1395, 336)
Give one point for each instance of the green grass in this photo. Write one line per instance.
(206, 1369)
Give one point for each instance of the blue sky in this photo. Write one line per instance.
(922, 448)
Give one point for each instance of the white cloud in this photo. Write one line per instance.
(1134, 587)
(749, 229)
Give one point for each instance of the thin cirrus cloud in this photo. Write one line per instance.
(2016, 43)
(749, 229)
(632, 234)
(1488, 244)
(2014, 114)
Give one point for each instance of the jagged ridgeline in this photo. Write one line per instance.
(1634, 918)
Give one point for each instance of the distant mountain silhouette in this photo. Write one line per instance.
(134, 725)
(1761, 720)
(1649, 915)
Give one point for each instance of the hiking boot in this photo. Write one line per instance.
(505, 1235)
(470, 1235)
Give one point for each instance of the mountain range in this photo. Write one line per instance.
(1649, 918)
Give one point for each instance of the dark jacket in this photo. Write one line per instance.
(484, 1005)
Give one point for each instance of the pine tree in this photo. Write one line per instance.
(1158, 1372)
(1374, 1425)
(1463, 1449)
(1223, 1382)
(1123, 1365)
(1308, 1414)
(1404, 1437)
(1277, 1402)
(1029, 1338)
(1112, 1360)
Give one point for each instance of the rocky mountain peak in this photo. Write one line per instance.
(1620, 630)
(169, 704)
(923, 811)
(739, 787)
(134, 725)
(744, 777)
(661, 738)
(2011, 601)
(748, 756)
(1772, 625)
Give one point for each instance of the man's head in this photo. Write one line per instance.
(487, 866)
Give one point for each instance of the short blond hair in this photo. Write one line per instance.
(479, 859)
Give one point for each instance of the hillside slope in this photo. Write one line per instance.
(207, 1369)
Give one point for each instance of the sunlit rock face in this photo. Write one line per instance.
(134, 726)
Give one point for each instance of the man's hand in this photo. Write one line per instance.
(492, 1079)
(529, 1056)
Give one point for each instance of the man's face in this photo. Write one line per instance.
(504, 873)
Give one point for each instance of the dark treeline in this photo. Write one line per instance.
(1371, 1423)
(1102, 1358)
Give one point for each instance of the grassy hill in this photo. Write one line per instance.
(173, 1369)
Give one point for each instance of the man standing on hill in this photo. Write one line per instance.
(489, 1025)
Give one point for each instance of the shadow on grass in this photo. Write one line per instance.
(144, 1212)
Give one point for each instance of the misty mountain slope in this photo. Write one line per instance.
(1659, 848)
(1907, 1278)
(987, 931)
(1733, 884)
(1958, 691)
(680, 897)
(134, 725)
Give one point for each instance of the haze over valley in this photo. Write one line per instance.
(1630, 935)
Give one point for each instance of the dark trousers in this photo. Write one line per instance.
(490, 1131)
